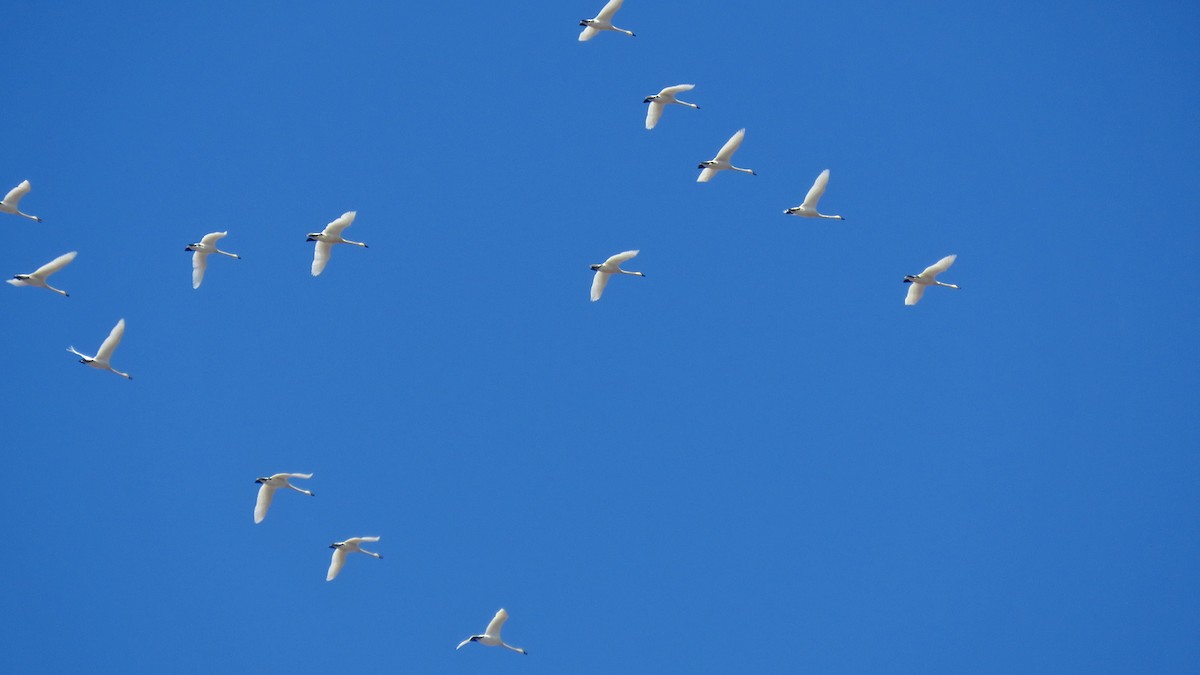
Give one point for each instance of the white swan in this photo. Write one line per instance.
(332, 234)
(38, 278)
(603, 21)
(721, 161)
(491, 636)
(267, 492)
(809, 208)
(341, 548)
(102, 357)
(926, 278)
(9, 205)
(200, 253)
(608, 268)
(662, 98)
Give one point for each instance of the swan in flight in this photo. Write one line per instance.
(200, 255)
(721, 161)
(332, 234)
(9, 205)
(926, 278)
(809, 208)
(267, 492)
(662, 98)
(38, 278)
(100, 360)
(491, 636)
(341, 548)
(608, 268)
(603, 21)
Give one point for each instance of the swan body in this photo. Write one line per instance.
(491, 636)
(39, 276)
(602, 21)
(200, 252)
(722, 161)
(101, 360)
(608, 268)
(809, 208)
(342, 548)
(663, 98)
(13, 198)
(332, 234)
(927, 278)
(267, 492)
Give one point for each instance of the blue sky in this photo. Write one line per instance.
(756, 459)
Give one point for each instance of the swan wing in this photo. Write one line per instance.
(54, 265)
(335, 228)
(110, 343)
(362, 539)
(586, 34)
(464, 643)
(706, 175)
(199, 264)
(321, 256)
(677, 89)
(915, 291)
(305, 476)
(211, 238)
(598, 283)
(335, 565)
(938, 267)
(818, 189)
(731, 146)
(265, 494)
(17, 282)
(653, 112)
(609, 10)
(493, 629)
(14, 195)
(616, 260)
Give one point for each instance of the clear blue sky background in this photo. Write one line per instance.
(757, 459)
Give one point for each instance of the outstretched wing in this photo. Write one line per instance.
(818, 189)
(611, 8)
(587, 34)
(493, 629)
(54, 265)
(464, 642)
(211, 238)
(653, 112)
(321, 256)
(938, 267)
(335, 228)
(299, 475)
(619, 258)
(14, 195)
(706, 175)
(677, 89)
(111, 342)
(199, 264)
(598, 283)
(335, 565)
(731, 146)
(265, 494)
(915, 291)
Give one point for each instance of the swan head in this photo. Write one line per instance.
(596, 268)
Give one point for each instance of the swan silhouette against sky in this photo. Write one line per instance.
(200, 253)
(603, 21)
(608, 268)
(927, 278)
(39, 276)
(332, 234)
(722, 161)
(101, 360)
(491, 636)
